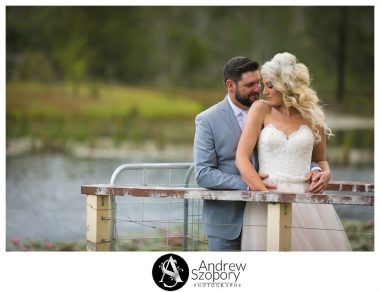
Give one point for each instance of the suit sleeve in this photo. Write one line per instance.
(207, 174)
(314, 166)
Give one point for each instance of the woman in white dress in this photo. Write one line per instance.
(289, 130)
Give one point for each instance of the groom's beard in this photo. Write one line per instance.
(246, 99)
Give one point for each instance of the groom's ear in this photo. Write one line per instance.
(229, 84)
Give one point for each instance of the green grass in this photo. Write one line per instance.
(56, 113)
(37, 100)
(62, 112)
(358, 138)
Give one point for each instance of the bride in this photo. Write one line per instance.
(289, 131)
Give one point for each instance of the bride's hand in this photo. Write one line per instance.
(319, 181)
(268, 185)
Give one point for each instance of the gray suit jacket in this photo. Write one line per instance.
(217, 135)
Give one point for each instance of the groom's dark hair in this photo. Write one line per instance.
(236, 66)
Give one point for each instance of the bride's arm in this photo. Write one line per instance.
(247, 142)
(321, 180)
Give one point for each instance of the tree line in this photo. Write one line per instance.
(187, 46)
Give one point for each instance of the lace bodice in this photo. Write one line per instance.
(286, 159)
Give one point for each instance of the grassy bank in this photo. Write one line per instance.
(55, 113)
(61, 112)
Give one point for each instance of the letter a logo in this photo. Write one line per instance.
(173, 274)
(170, 272)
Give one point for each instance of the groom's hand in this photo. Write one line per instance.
(268, 185)
(318, 180)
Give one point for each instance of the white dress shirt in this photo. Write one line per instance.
(240, 114)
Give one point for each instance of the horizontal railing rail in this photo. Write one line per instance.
(100, 206)
(242, 195)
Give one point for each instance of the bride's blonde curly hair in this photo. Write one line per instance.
(292, 79)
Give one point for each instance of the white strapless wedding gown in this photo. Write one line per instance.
(286, 159)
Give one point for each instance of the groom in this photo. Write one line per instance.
(217, 134)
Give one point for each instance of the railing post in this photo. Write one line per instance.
(112, 223)
(278, 227)
(98, 223)
(186, 209)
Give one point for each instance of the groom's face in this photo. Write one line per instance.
(247, 90)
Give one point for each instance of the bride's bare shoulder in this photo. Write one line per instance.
(260, 106)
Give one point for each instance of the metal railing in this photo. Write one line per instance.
(188, 166)
(101, 203)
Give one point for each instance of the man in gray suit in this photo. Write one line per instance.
(217, 134)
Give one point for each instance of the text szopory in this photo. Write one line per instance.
(218, 272)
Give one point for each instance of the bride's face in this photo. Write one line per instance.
(273, 96)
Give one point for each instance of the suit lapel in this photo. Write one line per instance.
(231, 121)
(233, 125)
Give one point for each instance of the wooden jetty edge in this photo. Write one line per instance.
(100, 211)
